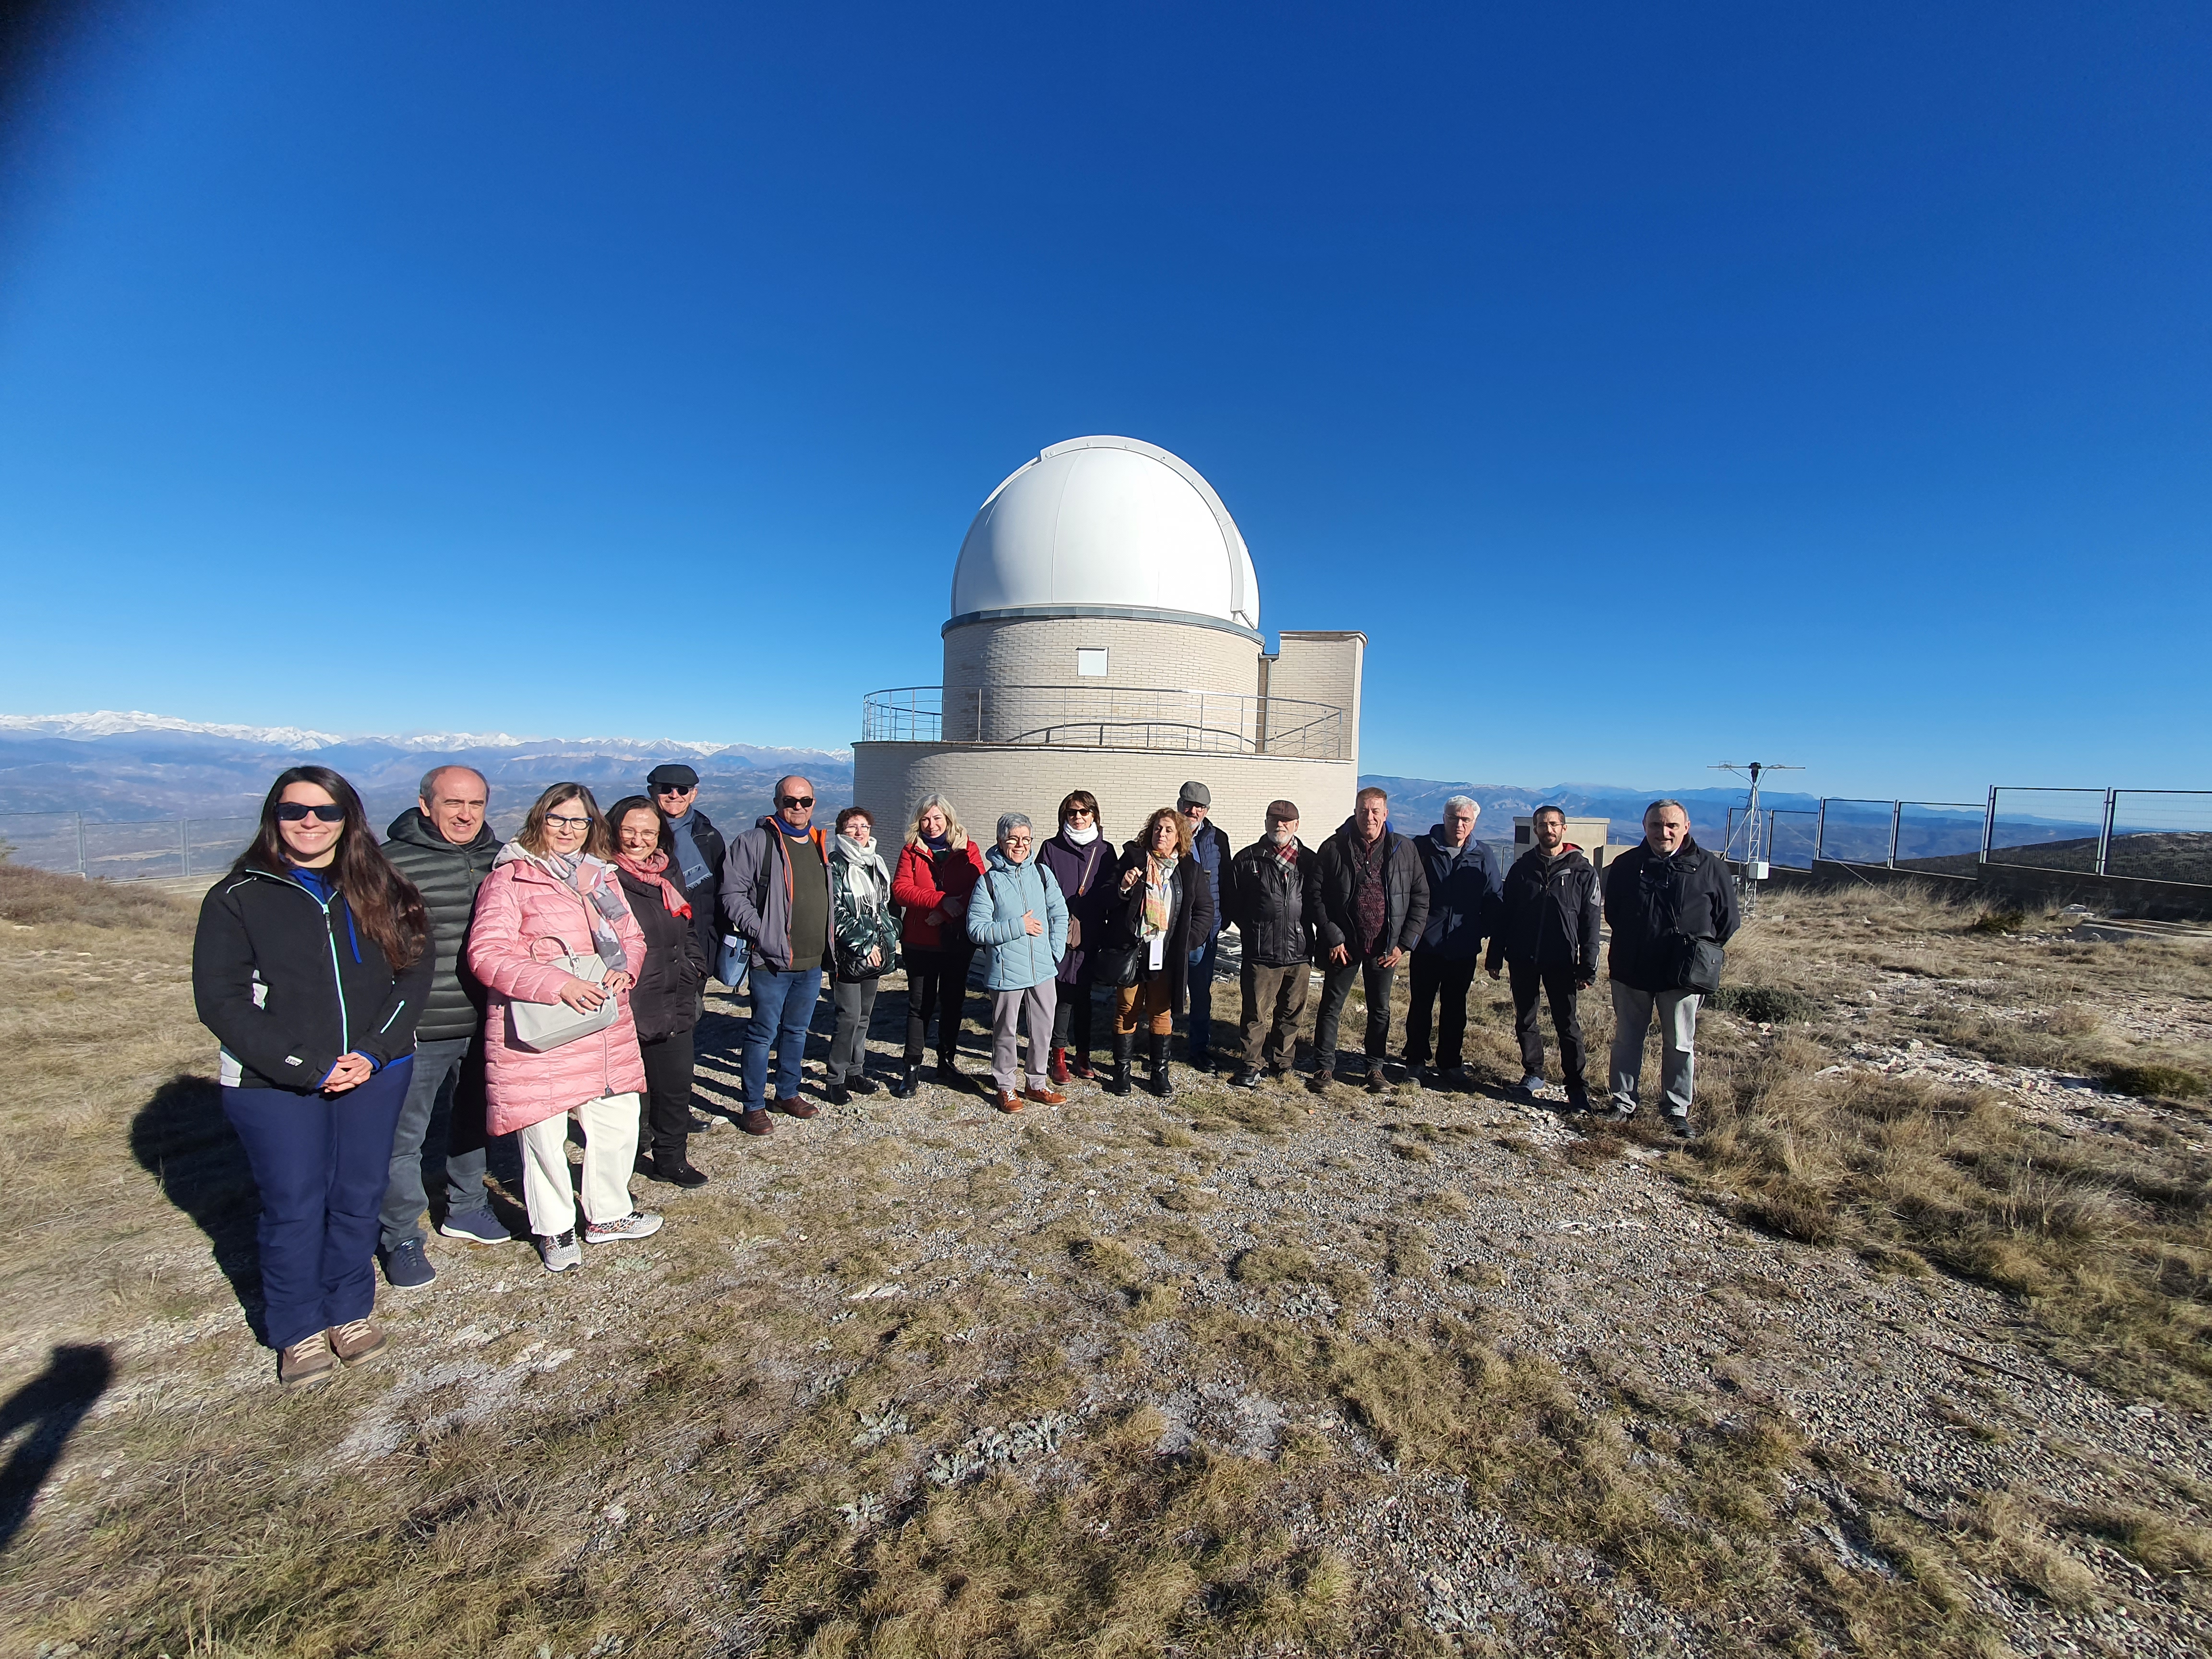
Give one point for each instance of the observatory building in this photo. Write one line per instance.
(1105, 634)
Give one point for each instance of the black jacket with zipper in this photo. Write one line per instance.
(665, 1001)
(289, 985)
(1648, 898)
(1271, 904)
(1188, 928)
(1337, 875)
(1548, 914)
(447, 876)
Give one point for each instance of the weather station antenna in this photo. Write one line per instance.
(1752, 862)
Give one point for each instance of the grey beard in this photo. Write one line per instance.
(1282, 837)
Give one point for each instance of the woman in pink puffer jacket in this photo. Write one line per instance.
(546, 897)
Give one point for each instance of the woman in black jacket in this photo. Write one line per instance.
(1162, 909)
(310, 967)
(666, 1000)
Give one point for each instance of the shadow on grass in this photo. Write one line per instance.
(182, 1139)
(51, 1405)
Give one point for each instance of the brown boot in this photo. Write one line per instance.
(754, 1120)
(1046, 1097)
(355, 1340)
(1058, 1070)
(1008, 1101)
(794, 1107)
(307, 1361)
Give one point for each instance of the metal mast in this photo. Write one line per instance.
(1752, 867)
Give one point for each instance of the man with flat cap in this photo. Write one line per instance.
(699, 853)
(1211, 849)
(1271, 899)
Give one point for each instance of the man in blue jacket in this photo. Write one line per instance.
(1464, 883)
(1210, 847)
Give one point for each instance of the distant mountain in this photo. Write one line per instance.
(115, 766)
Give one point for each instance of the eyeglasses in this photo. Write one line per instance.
(796, 800)
(556, 820)
(1081, 812)
(674, 789)
(292, 811)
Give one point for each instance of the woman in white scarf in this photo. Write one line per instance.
(867, 930)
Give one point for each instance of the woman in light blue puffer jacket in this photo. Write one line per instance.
(1016, 913)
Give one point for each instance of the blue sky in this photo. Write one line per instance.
(1655, 385)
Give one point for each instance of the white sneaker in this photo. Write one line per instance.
(638, 1223)
(559, 1252)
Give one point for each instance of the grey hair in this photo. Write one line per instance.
(1676, 804)
(1010, 822)
(1468, 801)
(1560, 811)
(427, 792)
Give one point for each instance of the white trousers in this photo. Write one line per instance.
(609, 1149)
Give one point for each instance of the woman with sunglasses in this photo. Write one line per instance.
(552, 894)
(1080, 858)
(311, 966)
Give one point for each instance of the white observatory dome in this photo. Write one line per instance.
(1106, 525)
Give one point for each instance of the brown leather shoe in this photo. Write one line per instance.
(307, 1361)
(754, 1120)
(793, 1107)
(1008, 1101)
(355, 1340)
(1045, 1098)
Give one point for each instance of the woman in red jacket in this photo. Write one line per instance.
(938, 869)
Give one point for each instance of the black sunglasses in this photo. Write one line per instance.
(795, 800)
(292, 811)
(672, 788)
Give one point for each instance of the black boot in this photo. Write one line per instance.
(910, 1079)
(1159, 1083)
(1125, 1044)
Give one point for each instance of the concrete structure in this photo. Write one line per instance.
(1105, 634)
(1588, 834)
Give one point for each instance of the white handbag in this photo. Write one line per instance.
(538, 1026)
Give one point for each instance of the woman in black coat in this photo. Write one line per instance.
(1161, 908)
(311, 966)
(665, 1002)
(1082, 861)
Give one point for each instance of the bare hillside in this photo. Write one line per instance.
(1909, 1354)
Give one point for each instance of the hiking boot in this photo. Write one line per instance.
(479, 1226)
(1376, 1082)
(1007, 1100)
(406, 1267)
(638, 1223)
(1324, 1077)
(1158, 1076)
(1057, 1071)
(840, 1095)
(1124, 1046)
(754, 1120)
(559, 1251)
(1046, 1097)
(678, 1172)
(355, 1340)
(307, 1361)
(793, 1106)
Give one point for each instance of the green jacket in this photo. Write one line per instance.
(447, 876)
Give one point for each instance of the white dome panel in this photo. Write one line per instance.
(1110, 523)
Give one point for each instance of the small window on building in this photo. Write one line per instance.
(1091, 661)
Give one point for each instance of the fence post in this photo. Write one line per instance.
(185, 845)
(83, 874)
(1988, 826)
(1896, 816)
(1820, 829)
(2105, 830)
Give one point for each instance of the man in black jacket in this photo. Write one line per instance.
(445, 848)
(699, 852)
(1546, 930)
(1270, 894)
(1371, 901)
(1661, 898)
(1464, 885)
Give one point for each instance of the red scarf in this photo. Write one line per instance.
(649, 870)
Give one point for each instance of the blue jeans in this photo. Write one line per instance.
(1198, 1033)
(439, 1069)
(320, 1162)
(783, 1008)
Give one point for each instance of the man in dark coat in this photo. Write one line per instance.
(1210, 847)
(1662, 898)
(697, 860)
(1371, 903)
(1547, 931)
(1463, 887)
(443, 846)
(1270, 893)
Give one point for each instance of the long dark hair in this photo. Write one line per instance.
(383, 901)
(630, 804)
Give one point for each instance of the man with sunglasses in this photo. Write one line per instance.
(775, 894)
(700, 848)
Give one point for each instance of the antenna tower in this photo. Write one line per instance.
(1751, 864)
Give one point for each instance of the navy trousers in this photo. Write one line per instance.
(321, 1161)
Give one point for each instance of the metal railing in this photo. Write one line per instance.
(2150, 835)
(131, 849)
(1898, 834)
(1106, 717)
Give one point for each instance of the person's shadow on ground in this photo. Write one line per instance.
(51, 1405)
(181, 1138)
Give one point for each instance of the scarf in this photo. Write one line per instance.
(649, 870)
(1159, 889)
(1286, 851)
(1080, 837)
(862, 868)
(937, 843)
(603, 901)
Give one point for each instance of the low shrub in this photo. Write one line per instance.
(1764, 1004)
(1997, 921)
(2151, 1080)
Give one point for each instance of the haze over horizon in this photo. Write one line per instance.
(1652, 389)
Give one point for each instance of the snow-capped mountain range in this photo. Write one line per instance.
(109, 722)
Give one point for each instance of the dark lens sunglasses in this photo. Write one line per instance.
(796, 800)
(673, 788)
(292, 811)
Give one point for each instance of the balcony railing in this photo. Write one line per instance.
(1106, 717)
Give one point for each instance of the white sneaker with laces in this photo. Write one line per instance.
(638, 1223)
(559, 1252)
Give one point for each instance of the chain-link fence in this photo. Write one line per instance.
(138, 849)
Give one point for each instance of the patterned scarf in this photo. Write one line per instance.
(649, 870)
(603, 904)
(1158, 895)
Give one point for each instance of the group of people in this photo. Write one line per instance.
(367, 994)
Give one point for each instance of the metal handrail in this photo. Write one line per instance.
(1106, 716)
